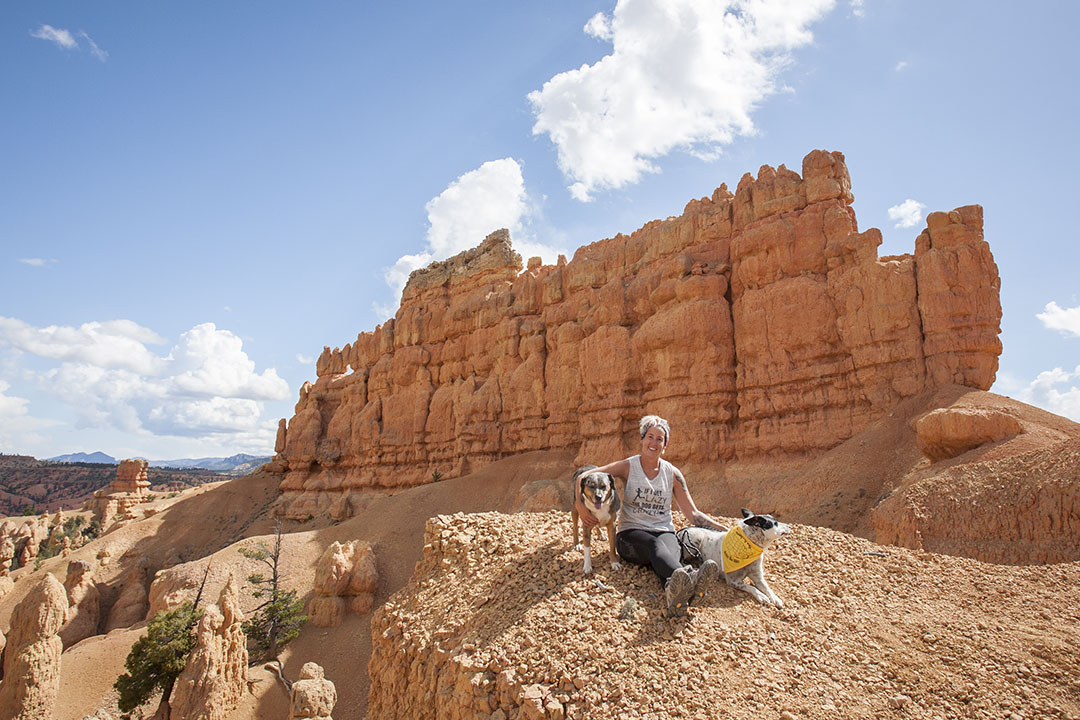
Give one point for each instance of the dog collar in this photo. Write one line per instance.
(738, 550)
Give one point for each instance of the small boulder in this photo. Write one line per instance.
(948, 432)
(313, 696)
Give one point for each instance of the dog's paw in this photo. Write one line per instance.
(578, 547)
(616, 566)
(777, 602)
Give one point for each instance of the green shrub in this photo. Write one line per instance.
(158, 658)
(279, 619)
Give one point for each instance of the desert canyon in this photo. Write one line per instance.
(423, 489)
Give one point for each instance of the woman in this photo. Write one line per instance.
(646, 533)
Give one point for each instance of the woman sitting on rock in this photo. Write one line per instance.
(646, 533)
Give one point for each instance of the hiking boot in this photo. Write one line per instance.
(704, 578)
(678, 591)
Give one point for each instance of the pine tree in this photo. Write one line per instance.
(158, 658)
(279, 619)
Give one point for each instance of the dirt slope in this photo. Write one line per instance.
(207, 527)
(840, 489)
(500, 619)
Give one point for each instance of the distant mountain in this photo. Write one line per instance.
(94, 457)
(236, 465)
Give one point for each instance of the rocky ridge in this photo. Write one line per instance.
(51, 486)
(499, 622)
(762, 321)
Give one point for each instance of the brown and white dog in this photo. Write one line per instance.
(597, 492)
(739, 552)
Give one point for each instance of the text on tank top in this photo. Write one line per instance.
(647, 503)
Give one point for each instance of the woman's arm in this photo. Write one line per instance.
(689, 509)
(619, 470)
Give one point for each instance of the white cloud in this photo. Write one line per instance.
(211, 362)
(479, 202)
(682, 74)
(858, 8)
(60, 37)
(305, 359)
(66, 40)
(18, 429)
(1055, 390)
(1064, 320)
(94, 49)
(206, 387)
(901, 65)
(115, 343)
(907, 214)
(599, 27)
(37, 262)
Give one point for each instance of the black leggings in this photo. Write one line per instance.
(657, 549)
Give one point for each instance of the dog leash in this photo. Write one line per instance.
(687, 547)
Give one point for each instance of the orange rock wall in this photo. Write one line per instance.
(760, 323)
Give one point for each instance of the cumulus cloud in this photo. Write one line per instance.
(901, 65)
(67, 40)
(858, 8)
(211, 362)
(907, 214)
(1064, 320)
(111, 344)
(304, 359)
(18, 428)
(682, 74)
(206, 387)
(1055, 390)
(473, 206)
(599, 27)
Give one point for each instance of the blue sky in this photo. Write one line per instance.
(196, 197)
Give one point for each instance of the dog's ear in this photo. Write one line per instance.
(746, 513)
(758, 521)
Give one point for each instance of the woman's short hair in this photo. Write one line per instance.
(651, 421)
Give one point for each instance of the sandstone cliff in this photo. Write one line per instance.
(762, 322)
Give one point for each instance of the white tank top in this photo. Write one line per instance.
(647, 503)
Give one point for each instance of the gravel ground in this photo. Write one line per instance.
(499, 622)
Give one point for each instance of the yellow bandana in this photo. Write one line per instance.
(738, 550)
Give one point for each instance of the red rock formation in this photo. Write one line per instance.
(84, 603)
(131, 478)
(31, 683)
(346, 579)
(761, 323)
(312, 696)
(948, 432)
(128, 489)
(215, 677)
(130, 607)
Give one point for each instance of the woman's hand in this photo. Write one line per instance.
(587, 518)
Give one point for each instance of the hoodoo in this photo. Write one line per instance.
(763, 320)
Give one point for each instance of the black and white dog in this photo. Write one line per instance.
(597, 492)
(739, 552)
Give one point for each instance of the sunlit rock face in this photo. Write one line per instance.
(762, 323)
